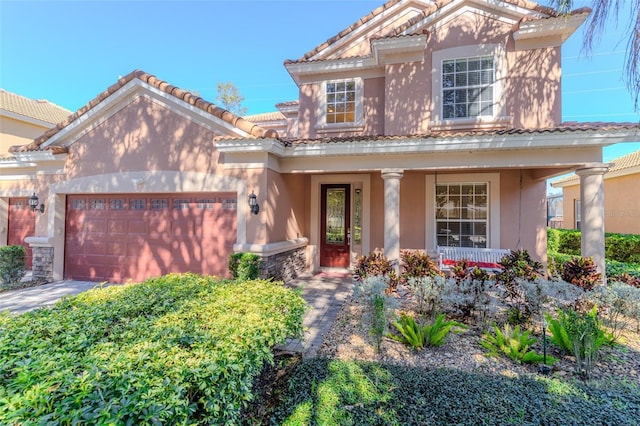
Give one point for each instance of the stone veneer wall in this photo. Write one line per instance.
(42, 266)
(285, 266)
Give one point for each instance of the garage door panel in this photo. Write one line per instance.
(117, 226)
(22, 224)
(138, 236)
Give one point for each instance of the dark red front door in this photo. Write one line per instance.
(335, 226)
(22, 224)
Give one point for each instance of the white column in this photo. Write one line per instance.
(392, 214)
(592, 213)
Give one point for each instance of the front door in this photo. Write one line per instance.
(335, 226)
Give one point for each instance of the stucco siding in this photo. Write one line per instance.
(622, 204)
(621, 209)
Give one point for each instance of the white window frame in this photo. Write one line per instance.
(577, 213)
(486, 87)
(459, 220)
(499, 54)
(357, 124)
(493, 204)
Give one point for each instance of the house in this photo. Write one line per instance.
(21, 120)
(621, 211)
(554, 210)
(423, 124)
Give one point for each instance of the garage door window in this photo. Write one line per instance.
(116, 204)
(137, 204)
(206, 204)
(97, 204)
(179, 204)
(158, 204)
(78, 205)
(229, 204)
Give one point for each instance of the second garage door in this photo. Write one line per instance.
(135, 237)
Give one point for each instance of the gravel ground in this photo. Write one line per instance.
(349, 339)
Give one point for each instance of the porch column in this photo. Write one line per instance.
(392, 214)
(592, 213)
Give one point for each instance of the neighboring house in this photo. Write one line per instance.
(621, 208)
(21, 121)
(415, 127)
(554, 210)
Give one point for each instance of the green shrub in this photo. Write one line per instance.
(570, 242)
(12, 265)
(245, 266)
(616, 269)
(179, 349)
(623, 248)
(578, 334)
(556, 260)
(513, 343)
(553, 239)
(418, 336)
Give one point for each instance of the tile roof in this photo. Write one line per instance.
(266, 116)
(457, 134)
(38, 109)
(426, 12)
(239, 122)
(619, 164)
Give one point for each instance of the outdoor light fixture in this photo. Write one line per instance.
(253, 203)
(33, 204)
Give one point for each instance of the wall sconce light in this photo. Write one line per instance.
(253, 203)
(33, 204)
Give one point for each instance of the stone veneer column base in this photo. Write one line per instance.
(285, 266)
(282, 260)
(42, 265)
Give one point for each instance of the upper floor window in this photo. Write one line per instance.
(340, 105)
(341, 102)
(467, 87)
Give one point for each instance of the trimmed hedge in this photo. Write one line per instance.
(244, 266)
(618, 247)
(179, 349)
(12, 266)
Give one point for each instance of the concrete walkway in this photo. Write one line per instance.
(27, 299)
(325, 293)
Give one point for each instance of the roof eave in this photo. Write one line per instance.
(383, 51)
(549, 31)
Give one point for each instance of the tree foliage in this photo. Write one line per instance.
(601, 11)
(229, 97)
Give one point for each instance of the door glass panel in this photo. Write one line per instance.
(357, 221)
(335, 231)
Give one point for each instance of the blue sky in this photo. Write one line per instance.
(69, 51)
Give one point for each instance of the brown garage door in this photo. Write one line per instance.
(22, 224)
(134, 237)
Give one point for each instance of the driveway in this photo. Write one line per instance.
(26, 299)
